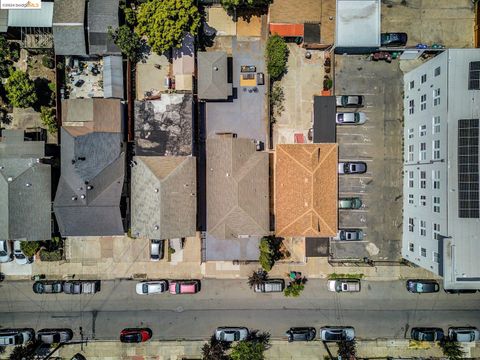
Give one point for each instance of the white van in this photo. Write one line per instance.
(16, 336)
(271, 285)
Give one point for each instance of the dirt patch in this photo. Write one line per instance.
(37, 70)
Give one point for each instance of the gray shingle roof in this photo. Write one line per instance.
(164, 126)
(69, 27)
(102, 14)
(164, 200)
(113, 77)
(96, 160)
(213, 75)
(237, 188)
(25, 189)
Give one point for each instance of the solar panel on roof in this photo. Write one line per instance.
(468, 178)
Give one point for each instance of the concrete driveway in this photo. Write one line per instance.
(378, 143)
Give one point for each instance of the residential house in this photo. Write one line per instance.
(102, 15)
(163, 198)
(87, 202)
(237, 190)
(306, 190)
(25, 189)
(213, 76)
(69, 27)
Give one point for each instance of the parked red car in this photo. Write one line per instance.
(184, 286)
(135, 335)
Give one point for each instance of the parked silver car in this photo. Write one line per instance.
(20, 257)
(16, 336)
(344, 285)
(352, 167)
(229, 334)
(351, 118)
(54, 336)
(350, 235)
(349, 100)
(337, 333)
(5, 251)
(350, 203)
(270, 285)
(156, 249)
(464, 334)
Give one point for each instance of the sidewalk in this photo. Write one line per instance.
(122, 257)
(280, 349)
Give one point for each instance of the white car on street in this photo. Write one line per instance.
(5, 251)
(151, 287)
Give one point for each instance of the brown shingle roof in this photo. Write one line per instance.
(306, 190)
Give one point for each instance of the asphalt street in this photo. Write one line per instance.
(380, 310)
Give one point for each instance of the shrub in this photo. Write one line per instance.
(20, 89)
(29, 248)
(277, 97)
(47, 116)
(276, 56)
(55, 255)
(48, 61)
(294, 289)
(451, 349)
(265, 259)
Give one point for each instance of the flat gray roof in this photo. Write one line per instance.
(358, 23)
(42, 17)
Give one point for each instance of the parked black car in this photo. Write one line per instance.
(48, 287)
(426, 334)
(394, 39)
(422, 286)
(301, 334)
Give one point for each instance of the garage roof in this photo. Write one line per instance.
(324, 128)
(306, 190)
(287, 29)
(358, 23)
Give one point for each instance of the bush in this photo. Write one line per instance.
(55, 255)
(48, 61)
(334, 276)
(451, 349)
(347, 349)
(20, 89)
(277, 97)
(47, 116)
(265, 259)
(294, 289)
(276, 56)
(29, 248)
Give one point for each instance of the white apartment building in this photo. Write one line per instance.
(441, 221)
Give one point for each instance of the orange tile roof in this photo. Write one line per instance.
(306, 190)
(287, 29)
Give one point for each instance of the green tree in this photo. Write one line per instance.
(258, 277)
(165, 22)
(128, 41)
(24, 352)
(347, 349)
(294, 289)
(266, 254)
(29, 248)
(245, 4)
(20, 89)
(451, 349)
(248, 350)
(215, 350)
(276, 54)
(47, 116)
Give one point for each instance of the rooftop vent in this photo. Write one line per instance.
(74, 198)
(89, 187)
(82, 196)
(10, 179)
(156, 227)
(28, 184)
(156, 190)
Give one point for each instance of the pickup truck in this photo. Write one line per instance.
(272, 285)
(81, 287)
(344, 285)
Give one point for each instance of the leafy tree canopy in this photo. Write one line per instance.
(128, 41)
(276, 54)
(47, 116)
(248, 350)
(165, 22)
(231, 4)
(20, 89)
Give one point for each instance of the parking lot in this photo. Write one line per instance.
(378, 143)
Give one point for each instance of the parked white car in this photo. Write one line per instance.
(151, 287)
(5, 251)
(344, 285)
(20, 257)
(464, 334)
